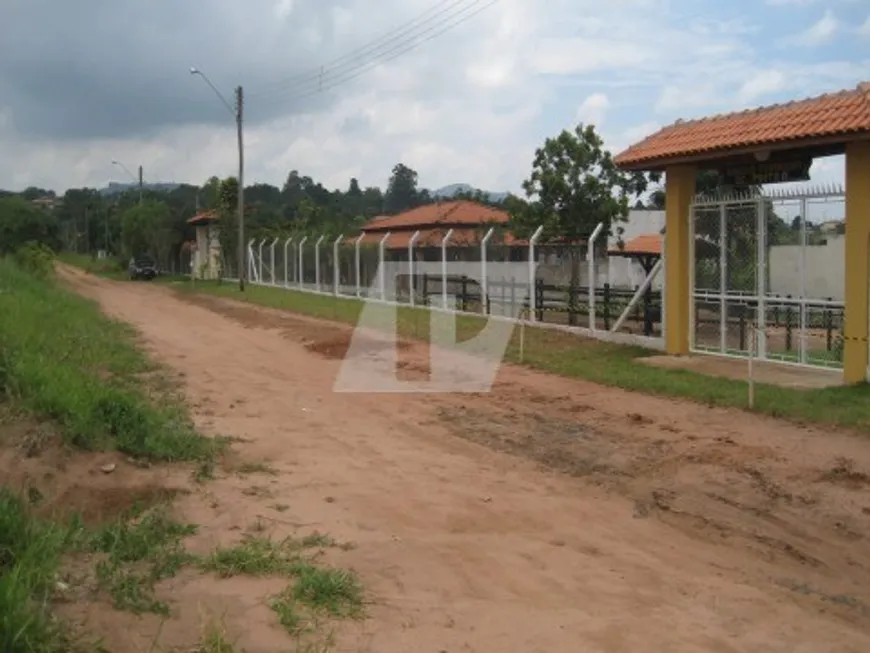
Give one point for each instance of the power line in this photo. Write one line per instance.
(355, 54)
(408, 41)
(330, 80)
(391, 55)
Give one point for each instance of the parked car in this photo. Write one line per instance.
(142, 267)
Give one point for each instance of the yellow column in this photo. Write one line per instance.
(857, 269)
(679, 191)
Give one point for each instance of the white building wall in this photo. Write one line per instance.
(825, 269)
(206, 258)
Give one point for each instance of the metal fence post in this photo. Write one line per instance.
(532, 241)
(484, 283)
(411, 285)
(260, 261)
(272, 258)
(286, 260)
(317, 262)
(336, 268)
(444, 242)
(590, 259)
(301, 263)
(356, 262)
(381, 281)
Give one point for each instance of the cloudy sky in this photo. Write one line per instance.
(86, 82)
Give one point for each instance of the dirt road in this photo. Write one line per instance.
(550, 515)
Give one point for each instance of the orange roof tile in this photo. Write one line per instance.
(203, 217)
(846, 113)
(650, 244)
(453, 213)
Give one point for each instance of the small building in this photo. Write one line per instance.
(206, 249)
(469, 221)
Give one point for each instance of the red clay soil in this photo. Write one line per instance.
(550, 515)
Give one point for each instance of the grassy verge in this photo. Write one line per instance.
(63, 363)
(30, 555)
(62, 359)
(316, 593)
(592, 360)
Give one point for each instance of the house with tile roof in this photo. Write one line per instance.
(469, 222)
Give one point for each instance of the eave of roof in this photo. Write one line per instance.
(825, 121)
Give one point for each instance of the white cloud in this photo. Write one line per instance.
(681, 98)
(283, 9)
(864, 29)
(469, 106)
(763, 82)
(593, 110)
(819, 33)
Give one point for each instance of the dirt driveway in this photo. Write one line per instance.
(550, 515)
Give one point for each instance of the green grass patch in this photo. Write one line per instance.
(261, 556)
(138, 550)
(592, 360)
(30, 556)
(316, 592)
(61, 358)
(65, 363)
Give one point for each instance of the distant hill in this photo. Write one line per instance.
(115, 187)
(453, 189)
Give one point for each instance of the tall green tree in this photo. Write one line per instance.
(402, 191)
(146, 229)
(574, 186)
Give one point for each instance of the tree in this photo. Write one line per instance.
(401, 192)
(573, 187)
(145, 229)
(22, 222)
(209, 194)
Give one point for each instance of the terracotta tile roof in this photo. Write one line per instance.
(433, 237)
(650, 244)
(451, 214)
(846, 113)
(203, 217)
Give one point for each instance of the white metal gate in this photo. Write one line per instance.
(767, 275)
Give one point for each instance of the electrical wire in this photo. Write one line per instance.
(325, 81)
(387, 37)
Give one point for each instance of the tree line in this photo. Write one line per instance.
(573, 185)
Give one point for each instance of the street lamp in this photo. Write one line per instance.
(132, 176)
(237, 114)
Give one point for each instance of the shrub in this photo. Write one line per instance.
(35, 258)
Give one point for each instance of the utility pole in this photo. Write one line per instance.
(87, 231)
(140, 184)
(242, 267)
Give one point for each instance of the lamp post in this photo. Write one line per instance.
(237, 114)
(132, 176)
